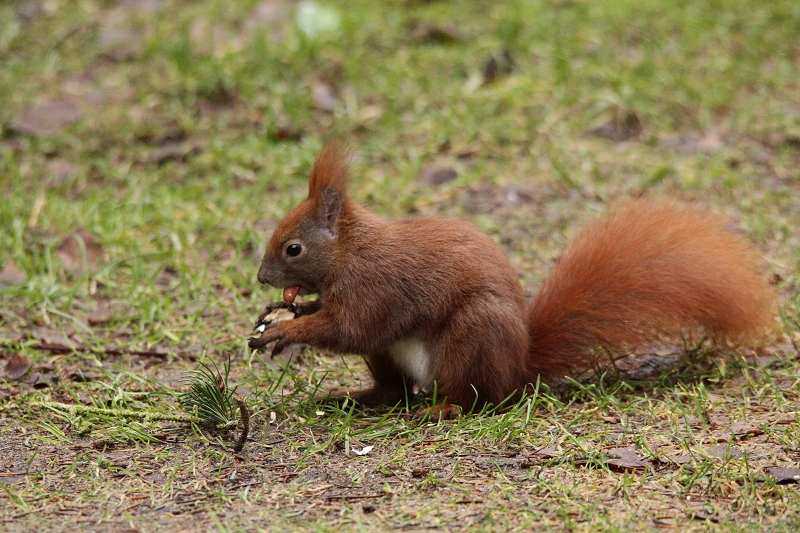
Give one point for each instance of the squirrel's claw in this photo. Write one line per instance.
(265, 326)
(256, 342)
(269, 334)
(279, 347)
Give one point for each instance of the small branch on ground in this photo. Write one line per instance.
(244, 412)
(145, 416)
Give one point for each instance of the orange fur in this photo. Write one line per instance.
(330, 170)
(647, 269)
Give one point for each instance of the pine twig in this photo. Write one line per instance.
(244, 412)
(146, 416)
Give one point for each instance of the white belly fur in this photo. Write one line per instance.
(411, 356)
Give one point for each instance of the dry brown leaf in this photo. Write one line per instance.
(680, 459)
(80, 253)
(60, 170)
(627, 459)
(53, 338)
(101, 315)
(723, 451)
(172, 151)
(117, 39)
(547, 452)
(498, 66)
(745, 429)
(11, 275)
(120, 44)
(430, 33)
(621, 127)
(17, 366)
(788, 419)
(285, 133)
(48, 118)
(435, 175)
(273, 15)
(784, 476)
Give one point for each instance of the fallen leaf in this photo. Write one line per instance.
(626, 459)
(80, 253)
(704, 515)
(11, 474)
(155, 477)
(30, 10)
(498, 66)
(104, 444)
(17, 366)
(547, 452)
(784, 476)
(745, 429)
(680, 459)
(711, 142)
(53, 338)
(172, 151)
(11, 275)
(285, 133)
(119, 41)
(429, 33)
(74, 373)
(60, 170)
(436, 175)
(101, 315)
(270, 14)
(696, 142)
(723, 451)
(39, 380)
(48, 118)
(620, 127)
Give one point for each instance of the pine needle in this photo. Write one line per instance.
(209, 396)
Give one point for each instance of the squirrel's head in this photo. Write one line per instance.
(299, 255)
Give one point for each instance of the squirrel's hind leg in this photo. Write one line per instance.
(390, 385)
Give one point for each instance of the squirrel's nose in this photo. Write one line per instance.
(263, 274)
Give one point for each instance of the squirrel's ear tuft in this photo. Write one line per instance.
(330, 171)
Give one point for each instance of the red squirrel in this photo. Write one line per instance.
(433, 302)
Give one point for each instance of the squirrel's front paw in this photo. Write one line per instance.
(274, 313)
(266, 336)
(273, 333)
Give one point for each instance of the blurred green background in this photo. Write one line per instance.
(172, 136)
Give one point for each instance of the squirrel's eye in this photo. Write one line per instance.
(293, 250)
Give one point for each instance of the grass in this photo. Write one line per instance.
(177, 134)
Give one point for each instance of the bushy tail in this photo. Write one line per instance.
(648, 269)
